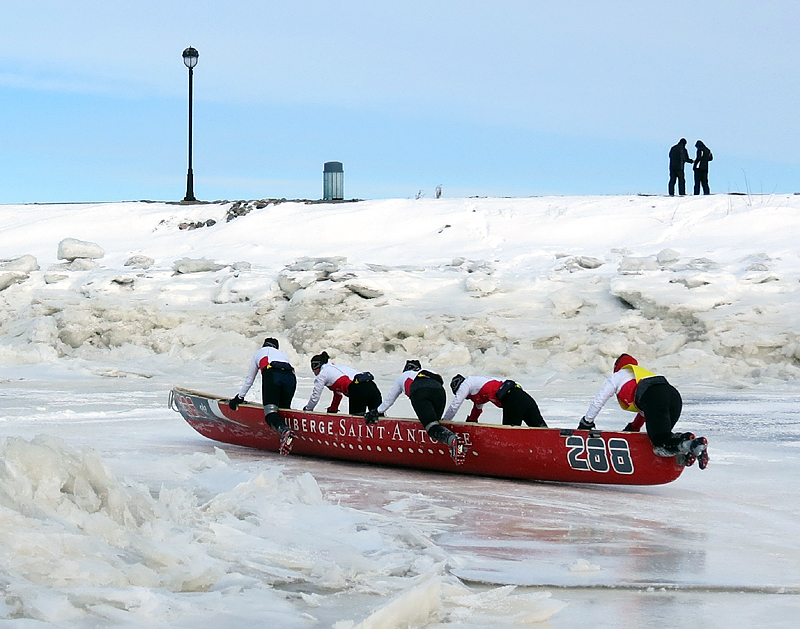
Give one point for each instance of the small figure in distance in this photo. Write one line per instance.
(518, 406)
(657, 404)
(358, 386)
(678, 156)
(278, 384)
(425, 389)
(701, 167)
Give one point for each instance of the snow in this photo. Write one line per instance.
(114, 512)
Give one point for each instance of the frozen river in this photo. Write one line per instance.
(716, 548)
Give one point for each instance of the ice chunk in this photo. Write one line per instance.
(11, 277)
(364, 290)
(667, 256)
(635, 266)
(292, 281)
(452, 356)
(566, 303)
(308, 491)
(760, 278)
(322, 267)
(82, 264)
(435, 596)
(587, 262)
(415, 607)
(70, 248)
(694, 281)
(23, 264)
(703, 264)
(189, 265)
(140, 262)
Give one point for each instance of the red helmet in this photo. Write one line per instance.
(624, 359)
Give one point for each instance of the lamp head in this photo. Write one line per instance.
(190, 56)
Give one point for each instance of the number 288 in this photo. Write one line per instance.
(593, 454)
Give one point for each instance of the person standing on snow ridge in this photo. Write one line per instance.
(278, 384)
(517, 405)
(657, 404)
(701, 167)
(678, 156)
(425, 389)
(360, 387)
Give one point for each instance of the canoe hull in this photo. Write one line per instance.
(544, 454)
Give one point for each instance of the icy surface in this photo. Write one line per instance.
(114, 512)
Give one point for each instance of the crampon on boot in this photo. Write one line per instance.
(458, 449)
(694, 449)
(287, 439)
(700, 450)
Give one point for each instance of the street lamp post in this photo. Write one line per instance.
(190, 56)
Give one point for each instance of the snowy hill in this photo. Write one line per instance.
(542, 289)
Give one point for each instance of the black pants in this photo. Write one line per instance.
(701, 179)
(277, 387)
(661, 406)
(363, 396)
(679, 177)
(518, 407)
(428, 400)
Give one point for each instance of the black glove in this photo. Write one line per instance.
(585, 425)
(371, 416)
(630, 428)
(234, 403)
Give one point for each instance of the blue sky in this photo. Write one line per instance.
(508, 98)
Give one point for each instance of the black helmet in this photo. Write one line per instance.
(412, 365)
(455, 383)
(270, 342)
(319, 360)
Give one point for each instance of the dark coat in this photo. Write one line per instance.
(678, 156)
(703, 157)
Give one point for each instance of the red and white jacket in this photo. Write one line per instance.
(401, 385)
(337, 378)
(261, 359)
(479, 390)
(623, 384)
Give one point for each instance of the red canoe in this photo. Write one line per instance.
(545, 454)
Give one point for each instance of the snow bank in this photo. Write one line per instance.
(545, 289)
